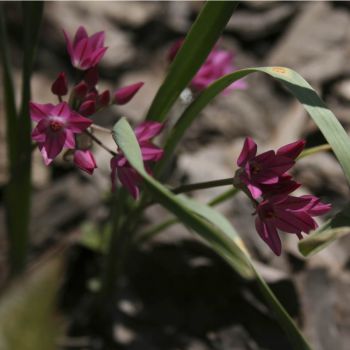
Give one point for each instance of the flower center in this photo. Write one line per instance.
(56, 125)
(269, 214)
(255, 168)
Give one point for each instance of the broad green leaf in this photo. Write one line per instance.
(198, 43)
(326, 121)
(213, 216)
(27, 310)
(335, 228)
(207, 227)
(183, 209)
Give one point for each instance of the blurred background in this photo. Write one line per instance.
(176, 294)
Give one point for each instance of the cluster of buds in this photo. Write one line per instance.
(265, 180)
(58, 126)
(218, 63)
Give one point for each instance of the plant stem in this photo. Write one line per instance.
(310, 151)
(203, 185)
(111, 265)
(100, 143)
(18, 189)
(100, 128)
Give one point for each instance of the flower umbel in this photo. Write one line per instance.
(85, 51)
(257, 171)
(264, 178)
(150, 153)
(289, 214)
(56, 128)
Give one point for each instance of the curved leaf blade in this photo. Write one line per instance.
(326, 121)
(224, 245)
(335, 228)
(219, 241)
(199, 41)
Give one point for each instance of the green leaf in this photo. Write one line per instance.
(207, 225)
(335, 228)
(9, 94)
(214, 217)
(18, 190)
(329, 125)
(183, 209)
(27, 310)
(95, 238)
(199, 41)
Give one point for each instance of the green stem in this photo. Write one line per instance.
(203, 185)
(100, 143)
(314, 150)
(18, 190)
(111, 266)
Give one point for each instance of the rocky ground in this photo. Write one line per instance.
(177, 294)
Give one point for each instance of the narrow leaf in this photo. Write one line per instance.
(335, 228)
(326, 121)
(208, 230)
(183, 209)
(199, 41)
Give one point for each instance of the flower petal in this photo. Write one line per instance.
(147, 130)
(151, 152)
(79, 35)
(78, 123)
(270, 235)
(292, 150)
(248, 151)
(130, 180)
(39, 111)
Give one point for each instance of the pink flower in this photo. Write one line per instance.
(85, 52)
(257, 171)
(128, 177)
(56, 128)
(217, 64)
(289, 214)
(126, 93)
(60, 86)
(84, 159)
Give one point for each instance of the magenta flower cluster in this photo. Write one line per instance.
(265, 179)
(58, 126)
(218, 63)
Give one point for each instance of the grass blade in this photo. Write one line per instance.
(18, 190)
(335, 228)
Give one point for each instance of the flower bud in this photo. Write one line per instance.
(60, 86)
(92, 95)
(87, 108)
(91, 77)
(84, 159)
(80, 90)
(126, 93)
(103, 99)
